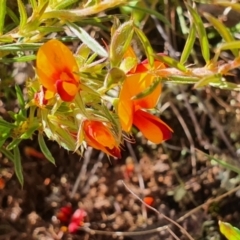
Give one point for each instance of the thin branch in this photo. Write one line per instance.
(207, 109)
(82, 172)
(140, 178)
(119, 234)
(217, 199)
(189, 137)
(160, 214)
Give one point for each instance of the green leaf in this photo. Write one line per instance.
(230, 232)
(158, 15)
(78, 14)
(146, 45)
(120, 42)
(148, 90)
(181, 79)
(189, 44)
(28, 134)
(114, 76)
(3, 7)
(45, 149)
(87, 39)
(33, 4)
(7, 153)
(6, 39)
(215, 78)
(13, 144)
(64, 4)
(20, 98)
(13, 16)
(4, 135)
(234, 6)
(23, 14)
(226, 85)
(229, 46)
(27, 58)
(171, 62)
(201, 33)
(20, 47)
(18, 165)
(222, 30)
(223, 164)
(6, 124)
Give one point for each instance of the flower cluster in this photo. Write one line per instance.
(77, 112)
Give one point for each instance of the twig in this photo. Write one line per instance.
(160, 214)
(218, 126)
(140, 178)
(173, 234)
(92, 172)
(207, 203)
(179, 179)
(119, 234)
(189, 137)
(204, 142)
(82, 172)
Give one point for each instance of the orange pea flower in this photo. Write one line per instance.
(131, 111)
(57, 70)
(99, 136)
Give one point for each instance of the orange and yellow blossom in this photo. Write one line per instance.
(99, 136)
(131, 111)
(57, 70)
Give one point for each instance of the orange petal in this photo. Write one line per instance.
(153, 128)
(53, 58)
(66, 90)
(100, 137)
(130, 54)
(125, 114)
(138, 83)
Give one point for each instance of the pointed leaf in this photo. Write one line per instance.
(87, 39)
(7, 153)
(222, 30)
(64, 4)
(222, 163)
(201, 33)
(181, 79)
(114, 76)
(18, 165)
(189, 44)
(12, 15)
(120, 42)
(148, 90)
(229, 46)
(33, 4)
(45, 149)
(150, 11)
(28, 134)
(230, 232)
(13, 144)
(215, 78)
(171, 62)
(234, 6)
(3, 6)
(6, 124)
(20, 98)
(23, 14)
(146, 45)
